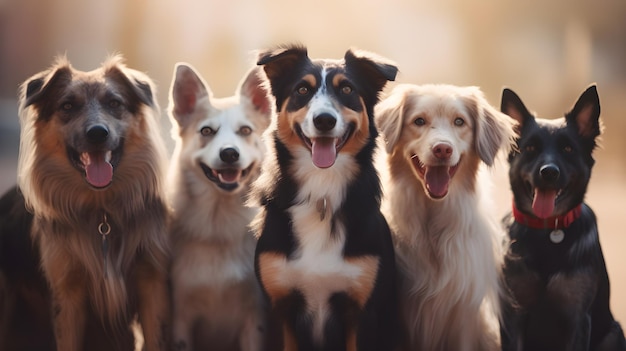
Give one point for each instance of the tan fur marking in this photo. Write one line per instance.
(362, 288)
(289, 340)
(270, 269)
(285, 125)
(338, 78)
(309, 78)
(351, 340)
(361, 134)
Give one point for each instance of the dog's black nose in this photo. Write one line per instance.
(229, 155)
(324, 122)
(97, 134)
(549, 172)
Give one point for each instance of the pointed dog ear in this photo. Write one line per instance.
(512, 106)
(253, 88)
(585, 114)
(389, 116)
(254, 94)
(187, 88)
(493, 129)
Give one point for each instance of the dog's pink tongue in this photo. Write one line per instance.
(229, 175)
(98, 170)
(323, 152)
(543, 203)
(437, 179)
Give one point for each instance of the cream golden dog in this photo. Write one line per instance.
(437, 137)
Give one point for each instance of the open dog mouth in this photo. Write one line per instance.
(226, 178)
(544, 200)
(436, 178)
(97, 166)
(324, 150)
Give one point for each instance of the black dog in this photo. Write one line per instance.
(324, 257)
(25, 320)
(558, 286)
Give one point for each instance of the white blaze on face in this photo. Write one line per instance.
(323, 143)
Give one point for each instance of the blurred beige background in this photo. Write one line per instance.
(547, 51)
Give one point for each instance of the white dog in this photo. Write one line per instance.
(217, 300)
(437, 137)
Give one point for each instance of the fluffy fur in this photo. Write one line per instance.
(437, 137)
(217, 300)
(91, 157)
(324, 256)
(558, 292)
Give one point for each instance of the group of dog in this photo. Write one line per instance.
(286, 222)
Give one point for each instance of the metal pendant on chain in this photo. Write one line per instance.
(104, 228)
(557, 235)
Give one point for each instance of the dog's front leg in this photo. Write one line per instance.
(252, 337)
(583, 334)
(154, 311)
(182, 324)
(69, 295)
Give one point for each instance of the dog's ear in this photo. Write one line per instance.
(512, 106)
(585, 114)
(39, 86)
(494, 131)
(186, 90)
(139, 86)
(278, 63)
(371, 71)
(389, 115)
(255, 92)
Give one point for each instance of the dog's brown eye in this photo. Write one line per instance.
(420, 121)
(529, 148)
(567, 149)
(114, 103)
(346, 89)
(67, 106)
(207, 131)
(303, 90)
(459, 122)
(245, 131)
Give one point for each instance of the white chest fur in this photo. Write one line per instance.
(317, 268)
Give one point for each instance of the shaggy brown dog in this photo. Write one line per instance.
(91, 169)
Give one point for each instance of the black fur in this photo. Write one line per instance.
(25, 303)
(367, 232)
(557, 293)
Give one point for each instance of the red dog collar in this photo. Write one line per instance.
(556, 222)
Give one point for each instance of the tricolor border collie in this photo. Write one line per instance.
(324, 255)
